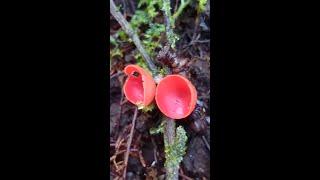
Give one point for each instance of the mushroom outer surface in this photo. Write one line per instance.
(139, 87)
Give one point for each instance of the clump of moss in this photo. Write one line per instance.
(174, 152)
(148, 108)
(202, 5)
(157, 130)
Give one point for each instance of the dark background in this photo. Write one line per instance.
(58, 81)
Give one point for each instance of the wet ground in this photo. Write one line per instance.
(146, 158)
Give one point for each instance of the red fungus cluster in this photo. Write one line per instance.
(175, 95)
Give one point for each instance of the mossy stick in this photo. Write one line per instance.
(172, 173)
(171, 37)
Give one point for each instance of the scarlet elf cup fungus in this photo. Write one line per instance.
(176, 97)
(139, 87)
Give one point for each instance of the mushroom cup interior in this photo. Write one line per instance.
(174, 97)
(134, 86)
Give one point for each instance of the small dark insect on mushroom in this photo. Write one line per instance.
(135, 74)
(198, 122)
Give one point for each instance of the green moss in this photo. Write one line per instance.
(174, 152)
(148, 108)
(202, 5)
(115, 52)
(171, 36)
(157, 130)
(152, 36)
(150, 6)
(163, 71)
(113, 41)
(139, 18)
(122, 35)
(140, 61)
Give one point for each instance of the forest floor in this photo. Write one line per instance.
(146, 157)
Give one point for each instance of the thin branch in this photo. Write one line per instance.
(154, 150)
(127, 28)
(170, 130)
(167, 15)
(176, 6)
(166, 8)
(129, 142)
(196, 24)
(169, 135)
(206, 142)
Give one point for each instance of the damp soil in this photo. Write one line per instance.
(146, 158)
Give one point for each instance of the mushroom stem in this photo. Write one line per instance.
(169, 135)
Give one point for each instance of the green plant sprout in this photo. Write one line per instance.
(202, 5)
(113, 41)
(151, 6)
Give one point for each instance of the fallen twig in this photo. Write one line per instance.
(120, 111)
(119, 143)
(206, 142)
(176, 6)
(193, 42)
(129, 143)
(154, 150)
(142, 159)
(170, 134)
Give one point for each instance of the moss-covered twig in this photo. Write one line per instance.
(205, 142)
(175, 140)
(127, 28)
(169, 135)
(171, 37)
(175, 148)
(200, 9)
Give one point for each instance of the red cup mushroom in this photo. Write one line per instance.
(139, 87)
(176, 97)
